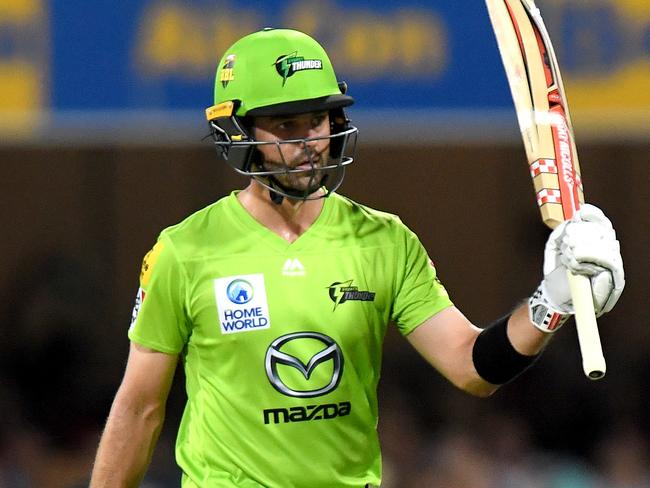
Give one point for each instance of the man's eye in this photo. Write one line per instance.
(287, 124)
(317, 121)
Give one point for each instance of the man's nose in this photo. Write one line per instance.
(312, 140)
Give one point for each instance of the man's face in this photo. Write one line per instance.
(307, 156)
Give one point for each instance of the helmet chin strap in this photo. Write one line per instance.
(276, 197)
(278, 192)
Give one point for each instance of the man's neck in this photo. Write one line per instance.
(289, 219)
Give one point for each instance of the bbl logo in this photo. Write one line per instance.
(289, 64)
(227, 74)
(240, 292)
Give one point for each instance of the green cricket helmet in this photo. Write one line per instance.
(276, 72)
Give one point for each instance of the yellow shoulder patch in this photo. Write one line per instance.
(148, 263)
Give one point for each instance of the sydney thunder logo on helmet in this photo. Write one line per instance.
(290, 64)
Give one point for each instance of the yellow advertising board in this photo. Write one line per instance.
(24, 62)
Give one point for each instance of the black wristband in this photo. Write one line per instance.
(495, 359)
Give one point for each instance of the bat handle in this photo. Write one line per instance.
(593, 361)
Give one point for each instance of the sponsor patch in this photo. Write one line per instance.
(148, 263)
(241, 303)
(304, 414)
(309, 383)
(139, 298)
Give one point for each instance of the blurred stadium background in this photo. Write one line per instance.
(101, 141)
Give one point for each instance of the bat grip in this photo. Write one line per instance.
(593, 361)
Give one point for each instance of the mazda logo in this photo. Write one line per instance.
(330, 352)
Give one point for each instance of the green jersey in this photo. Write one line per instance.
(281, 342)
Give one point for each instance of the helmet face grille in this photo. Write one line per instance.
(245, 158)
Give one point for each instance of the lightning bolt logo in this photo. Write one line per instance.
(342, 291)
(337, 291)
(283, 65)
(289, 64)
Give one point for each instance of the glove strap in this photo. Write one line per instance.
(543, 315)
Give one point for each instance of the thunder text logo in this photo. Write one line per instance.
(290, 64)
(342, 291)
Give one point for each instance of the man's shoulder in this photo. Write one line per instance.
(198, 226)
(360, 213)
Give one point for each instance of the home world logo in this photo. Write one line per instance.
(241, 303)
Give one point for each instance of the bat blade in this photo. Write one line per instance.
(543, 116)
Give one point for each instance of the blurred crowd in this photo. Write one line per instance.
(58, 377)
(499, 453)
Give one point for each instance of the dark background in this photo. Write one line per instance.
(101, 119)
(76, 222)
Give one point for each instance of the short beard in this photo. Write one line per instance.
(306, 182)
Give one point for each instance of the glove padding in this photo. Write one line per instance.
(586, 244)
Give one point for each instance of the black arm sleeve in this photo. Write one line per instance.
(495, 359)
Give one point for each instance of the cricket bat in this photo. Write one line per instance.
(543, 116)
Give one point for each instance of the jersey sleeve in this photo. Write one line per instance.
(419, 293)
(159, 320)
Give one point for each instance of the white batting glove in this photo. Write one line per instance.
(586, 245)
